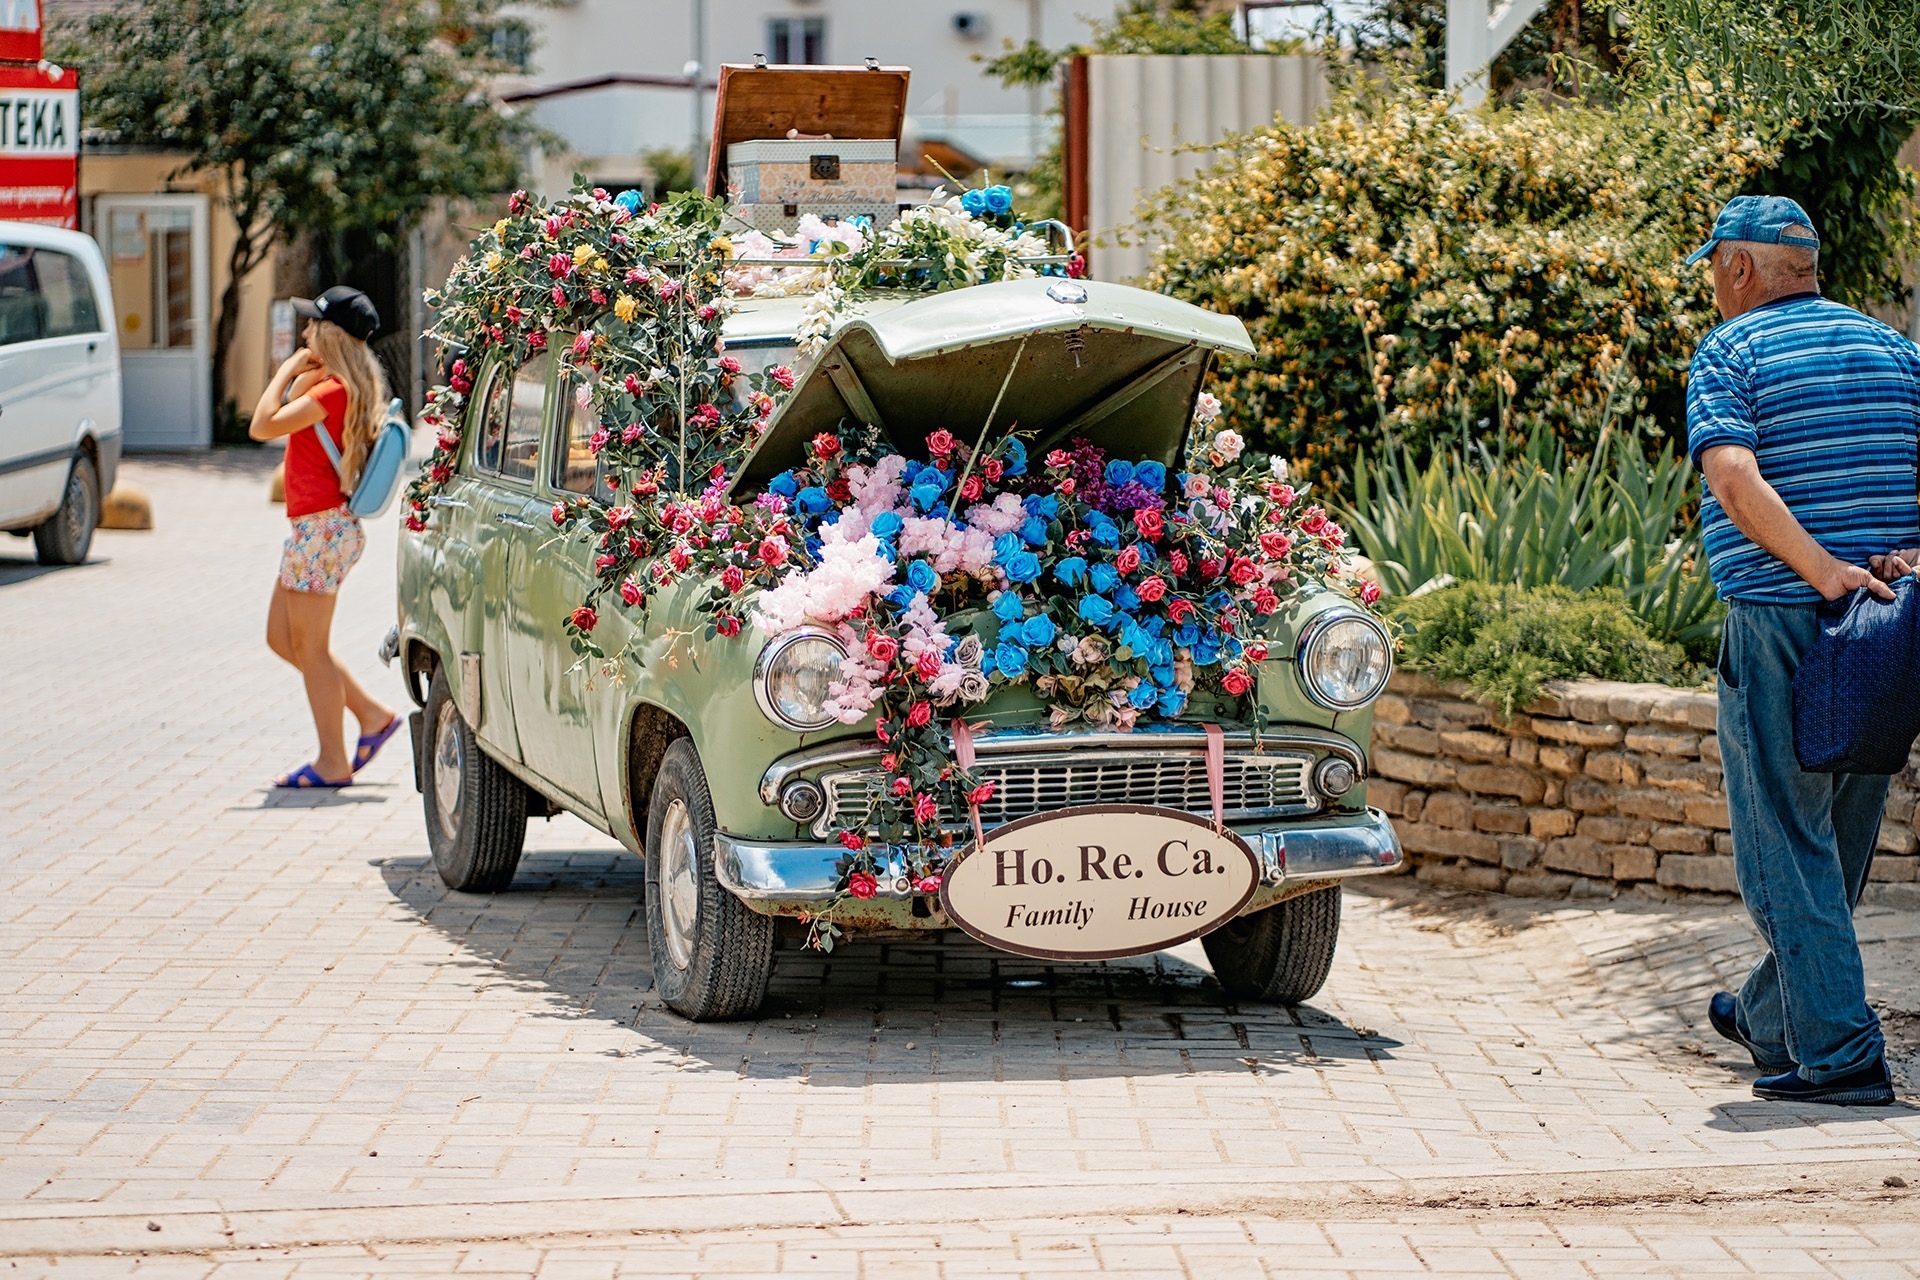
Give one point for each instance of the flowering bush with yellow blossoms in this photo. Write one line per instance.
(1419, 277)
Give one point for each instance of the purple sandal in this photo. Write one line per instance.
(370, 744)
(305, 778)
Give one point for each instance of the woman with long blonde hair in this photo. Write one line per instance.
(333, 384)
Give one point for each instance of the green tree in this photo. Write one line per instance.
(313, 116)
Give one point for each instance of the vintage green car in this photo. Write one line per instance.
(710, 757)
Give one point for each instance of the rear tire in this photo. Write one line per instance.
(476, 810)
(1282, 954)
(66, 536)
(712, 953)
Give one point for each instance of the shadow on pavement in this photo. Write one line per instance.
(17, 569)
(573, 926)
(1773, 1117)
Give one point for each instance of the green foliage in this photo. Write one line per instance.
(1507, 641)
(672, 170)
(1537, 517)
(317, 116)
(1414, 275)
(1560, 48)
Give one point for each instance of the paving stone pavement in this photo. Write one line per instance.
(217, 1001)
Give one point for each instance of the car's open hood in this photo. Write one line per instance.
(1117, 365)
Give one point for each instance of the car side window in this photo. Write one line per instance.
(576, 468)
(525, 411)
(23, 309)
(493, 421)
(71, 308)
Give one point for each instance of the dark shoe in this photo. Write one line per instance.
(1720, 1013)
(1870, 1086)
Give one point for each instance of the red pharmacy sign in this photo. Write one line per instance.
(39, 143)
(20, 31)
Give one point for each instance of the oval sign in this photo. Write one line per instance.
(1099, 882)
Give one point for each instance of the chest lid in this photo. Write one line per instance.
(756, 103)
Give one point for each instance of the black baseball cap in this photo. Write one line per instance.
(345, 306)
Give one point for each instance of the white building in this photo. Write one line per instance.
(610, 75)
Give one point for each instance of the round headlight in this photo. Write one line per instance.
(1345, 659)
(790, 680)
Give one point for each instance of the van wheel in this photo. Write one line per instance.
(476, 810)
(1282, 954)
(66, 536)
(712, 953)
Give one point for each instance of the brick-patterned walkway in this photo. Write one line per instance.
(218, 1005)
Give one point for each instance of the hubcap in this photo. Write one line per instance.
(449, 769)
(75, 514)
(679, 888)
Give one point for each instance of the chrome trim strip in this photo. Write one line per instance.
(1146, 740)
(802, 872)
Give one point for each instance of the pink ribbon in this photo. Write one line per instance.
(963, 756)
(1217, 774)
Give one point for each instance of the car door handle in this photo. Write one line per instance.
(442, 500)
(515, 521)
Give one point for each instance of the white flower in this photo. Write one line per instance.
(1229, 445)
(1206, 408)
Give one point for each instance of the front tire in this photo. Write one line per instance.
(66, 536)
(1282, 954)
(476, 810)
(712, 953)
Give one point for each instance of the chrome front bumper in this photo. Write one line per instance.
(771, 871)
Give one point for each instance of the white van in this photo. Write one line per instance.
(59, 389)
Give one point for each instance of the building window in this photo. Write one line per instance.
(512, 43)
(797, 40)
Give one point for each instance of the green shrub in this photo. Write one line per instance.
(1415, 276)
(1537, 517)
(1507, 641)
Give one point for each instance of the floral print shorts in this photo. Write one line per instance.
(320, 550)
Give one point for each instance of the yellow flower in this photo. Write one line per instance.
(626, 308)
(493, 260)
(500, 227)
(582, 254)
(599, 264)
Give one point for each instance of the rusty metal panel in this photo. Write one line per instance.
(1143, 109)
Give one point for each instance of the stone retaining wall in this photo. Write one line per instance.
(1597, 787)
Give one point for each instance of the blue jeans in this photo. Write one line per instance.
(1802, 844)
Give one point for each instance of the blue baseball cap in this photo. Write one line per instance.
(1760, 219)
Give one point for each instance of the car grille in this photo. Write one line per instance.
(1267, 785)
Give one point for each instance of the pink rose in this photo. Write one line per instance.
(726, 625)
(940, 443)
(901, 786)
(1369, 592)
(853, 840)
(782, 375)
(982, 793)
(1152, 589)
(1128, 560)
(559, 513)
(583, 342)
(773, 552)
(919, 714)
(560, 266)
(861, 884)
(630, 592)
(924, 809)
(882, 647)
(1236, 681)
(732, 578)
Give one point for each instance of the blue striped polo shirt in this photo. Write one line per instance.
(1829, 402)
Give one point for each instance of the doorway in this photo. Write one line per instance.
(157, 259)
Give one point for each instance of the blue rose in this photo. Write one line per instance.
(1161, 673)
(887, 525)
(1143, 695)
(1096, 610)
(986, 663)
(1044, 505)
(1207, 651)
(1125, 599)
(1219, 600)
(1151, 476)
(1015, 457)
(1160, 654)
(999, 200)
(813, 546)
(1070, 570)
(1104, 578)
(900, 597)
(1011, 659)
(1022, 566)
(1172, 703)
(1154, 625)
(1186, 635)
(1039, 631)
(812, 500)
(921, 577)
(890, 551)
(1107, 535)
(1119, 472)
(1004, 547)
(974, 202)
(628, 200)
(925, 497)
(1033, 531)
(784, 484)
(1009, 607)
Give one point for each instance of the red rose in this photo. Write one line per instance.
(1152, 589)
(1236, 681)
(680, 559)
(826, 446)
(635, 547)
(901, 786)
(972, 490)
(927, 665)
(416, 523)
(993, 469)
(924, 809)
(1314, 521)
(630, 592)
(559, 513)
(537, 340)
(982, 793)
(1243, 571)
(440, 472)
(853, 840)
(1150, 523)
(928, 885)
(773, 552)
(585, 618)
(726, 625)
(1128, 560)
(882, 647)
(1275, 546)
(732, 578)
(1281, 493)
(583, 343)
(1256, 652)
(1369, 592)
(940, 443)
(560, 266)
(1265, 601)
(839, 490)
(1211, 568)
(1179, 608)
(1178, 560)
(1067, 487)
(919, 714)
(861, 884)
(603, 563)
(1058, 458)
(619, 517)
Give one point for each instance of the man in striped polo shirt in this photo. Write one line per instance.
(1803, 417)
